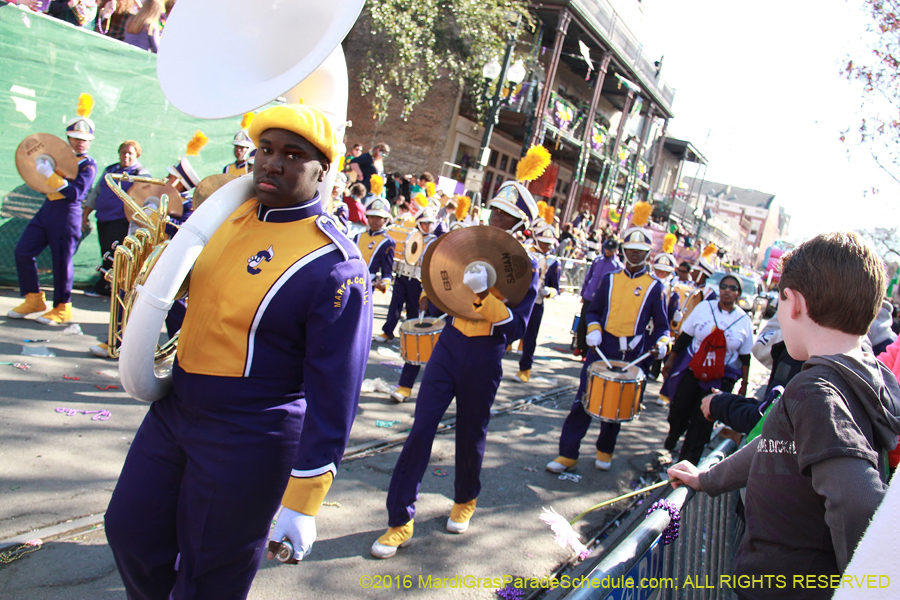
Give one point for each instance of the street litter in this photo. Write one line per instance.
(38, 351)
(570, 477)
(35, 341)
(543, 380)
(380, 423)
(106, 387)
(99, 415)
(375, 385)
(18, 552)
(19, 365)
(72, 377)
(439, 473)
(384, 351)
(73, 329)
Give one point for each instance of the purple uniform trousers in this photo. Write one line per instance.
(529, 342)
(406, 292)
(202, 456)
(468, 368)
(57, 224)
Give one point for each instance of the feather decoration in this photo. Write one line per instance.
(533, 164)
(542, 210)
(564, 534)
(247, 119)
(430, 188)
(709, 251)
(85, 105)
(669, 243)
(462, 207)
(376, 184)
(421, 200)
(196, 144)
(641, 214)
(550, 214)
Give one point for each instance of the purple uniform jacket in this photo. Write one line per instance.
(601, 267)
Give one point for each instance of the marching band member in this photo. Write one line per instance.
(617, 318)
(664, 265)
(242, 146)
(408, 284)
(376, 247)
(57, 224)
(184, 178)
(548, 268)
(269, 366)
(466, 364)
(607, 263)
(336, 207)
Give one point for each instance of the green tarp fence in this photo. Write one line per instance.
(44, 65)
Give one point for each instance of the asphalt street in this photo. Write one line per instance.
(58, 467)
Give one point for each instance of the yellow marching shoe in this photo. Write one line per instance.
(561, 464)
(662, 400)
(524, 376)
(382, 338)
(460, 515)
(101, 350)
(401, 394)
(61, 313)
(395, 537)
(604, 461)
(34, 302)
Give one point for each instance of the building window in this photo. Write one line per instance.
(503, 161)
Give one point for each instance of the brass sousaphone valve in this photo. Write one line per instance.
(509, 269)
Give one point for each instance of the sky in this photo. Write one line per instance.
(763, 82)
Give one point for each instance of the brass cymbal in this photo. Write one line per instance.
(448, 257)
(142, 192)
(415, 247)
(209, 186)
(49, 146)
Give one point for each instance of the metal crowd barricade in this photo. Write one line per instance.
(703, 551)
(572, 272)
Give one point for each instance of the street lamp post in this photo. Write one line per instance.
(514, 74)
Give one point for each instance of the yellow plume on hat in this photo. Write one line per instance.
(196, 144)
(641, 214)
(247, 119)
(85, 105)
(462, 207)
(709, 250)
(430, 188)
(550, 214)
(420, 199)
(376, 184)
(533, 164)
(669, 243)
(542, 210)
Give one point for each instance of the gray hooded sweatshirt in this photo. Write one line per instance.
(814, 477)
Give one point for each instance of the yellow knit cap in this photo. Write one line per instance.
(305, 121)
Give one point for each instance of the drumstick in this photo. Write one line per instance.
(617, 499)
(421, 316)
(636, 361)
(603, 357)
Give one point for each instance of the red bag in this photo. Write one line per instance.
(708, 363)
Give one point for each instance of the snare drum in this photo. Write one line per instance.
(613, 396)
(417, 340)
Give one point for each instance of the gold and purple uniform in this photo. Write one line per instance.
(549, 269)
(377, 249)
(465, 364)
(623, 306)
(269, 366)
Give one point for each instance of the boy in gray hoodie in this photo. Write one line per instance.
(816, 474)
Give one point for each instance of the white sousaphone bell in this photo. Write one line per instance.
(284, 43)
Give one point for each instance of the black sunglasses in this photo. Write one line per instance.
(725, 286)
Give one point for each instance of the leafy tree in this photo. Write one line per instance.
(412, 43)
(880, 76)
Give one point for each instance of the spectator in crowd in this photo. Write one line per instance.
(112, 225)
(77, 12)
(566, 240)
(356, 212)
(421, 184)
(392, 187)
(354, 152)
(113, 15)
(143, 29)
(370, 163)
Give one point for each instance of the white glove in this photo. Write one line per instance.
(44, 167)
(679, 315)
(594, 338)
(662, 348)
(548, 291)
(299, 529)
(476, 278)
